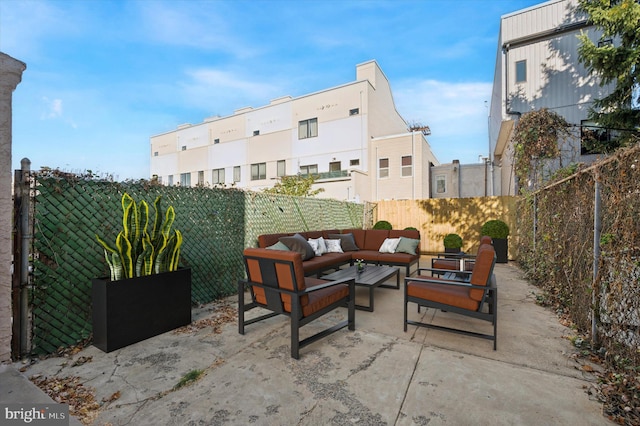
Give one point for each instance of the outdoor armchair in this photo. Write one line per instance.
(276, 281)
(476, 298)
(452, 261)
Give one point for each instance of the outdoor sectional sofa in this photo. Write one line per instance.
(363, 244)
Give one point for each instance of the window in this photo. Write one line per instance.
(595, 139)
(170, 180)
(354, 111)
(258, 171)
(521, 71)
(355, 162)
(256, 132)
(308, 128)
(184, 147)
(441, 184)
(311, 169)
(217, 176)
(185, 179)
(201, 177)
(236, 174)
(282, 168)
(383, 168)
(216, 141)
(335, 166)
(407, 167)
(155, 153)
(160, 180)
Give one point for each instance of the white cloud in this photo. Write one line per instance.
(451, 107)
(202, 25)
(53, 108)
(209, 88)
(455, 112)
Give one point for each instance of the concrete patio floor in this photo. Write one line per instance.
(375, 375)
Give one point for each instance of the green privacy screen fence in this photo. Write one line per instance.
(216, 224)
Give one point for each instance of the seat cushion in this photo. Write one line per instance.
(369, 255)
(322, 298)
(327, 260)
(451, 295)
(397, 258)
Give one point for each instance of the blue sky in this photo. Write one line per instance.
(103, 76)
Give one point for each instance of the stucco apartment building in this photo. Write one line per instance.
(537, 67)
(351, 137)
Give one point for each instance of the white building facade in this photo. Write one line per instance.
(537, 67)
(351, 137)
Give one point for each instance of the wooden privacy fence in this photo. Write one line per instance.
(435, 218)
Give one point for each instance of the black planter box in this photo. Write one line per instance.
(501, 245)
(452, 250)
(132, 310)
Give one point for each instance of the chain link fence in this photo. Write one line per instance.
(556, 247)
(216, 224)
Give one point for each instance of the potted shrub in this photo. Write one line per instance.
(146, 293)
(383, 224)
(498, 231)
(452, 243)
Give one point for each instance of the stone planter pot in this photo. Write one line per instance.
(129, 311)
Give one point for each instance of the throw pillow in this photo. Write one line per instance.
(299, 244)
(389, 245)
(318, 245)
(278, 246)
(407, 245)
(348, 242)
(333, 246)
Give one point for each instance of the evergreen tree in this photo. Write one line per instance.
(615, 58)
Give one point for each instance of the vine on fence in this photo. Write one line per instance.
(558, 254)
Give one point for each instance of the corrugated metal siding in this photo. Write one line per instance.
(537, 19)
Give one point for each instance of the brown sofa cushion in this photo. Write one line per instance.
(374, 238)
(407, 233)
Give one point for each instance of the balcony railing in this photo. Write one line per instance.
(329, 175)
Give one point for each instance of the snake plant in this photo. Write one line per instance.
(137, 252)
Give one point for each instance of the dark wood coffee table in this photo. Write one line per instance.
(373, 276)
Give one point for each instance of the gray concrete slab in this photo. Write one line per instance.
(377, 374)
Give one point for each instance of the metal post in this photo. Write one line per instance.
(597, 230)
(535, 219)
(25, 226)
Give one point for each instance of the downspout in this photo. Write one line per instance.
(413, 167)
(485, 177)
(505, 51)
